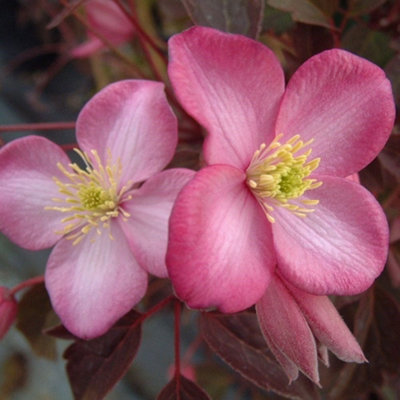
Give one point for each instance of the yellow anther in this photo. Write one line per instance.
(278, 175)
(90, 195)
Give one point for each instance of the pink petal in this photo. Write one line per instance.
(281, 320)
(286, 363)
(87, 48)
(27, 167)
(232, 86)
(94, 283)
(220, 249)
(340, 248)
(108, 19)
(323, 354)
(150, 208)
(343, 102)
(133, 120)
(328, 326)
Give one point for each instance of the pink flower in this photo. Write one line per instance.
(108, 231)
(274, 193)
(105, 17)
(300, 327)
(8, 311)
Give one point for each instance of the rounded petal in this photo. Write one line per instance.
(108, 19)
(230, 84)
(87, 48)
(345, 104)
(94, 283)
(27, 168)
(327, 325)
(132, 120)
(340, 248)
(220, 248)
(150, 208)
(281, 320)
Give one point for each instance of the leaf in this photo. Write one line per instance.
(376, 327)
(361, 7)
(95, 366)
(182, 389)
(307, 11)
(392, 70)
(35, 314)
(234, 16)
(237, 339)
(368, 43)
(393, 265)
(390, 156)
(15, 375)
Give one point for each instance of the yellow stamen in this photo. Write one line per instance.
(278, 176)
(90, 195)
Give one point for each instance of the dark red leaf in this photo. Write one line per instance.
(60, 332)
(390, 156)
(313, 12)
(96, 365)
(377, 327)
(181, 388)
(35, 314)
(235, 16)
(238, 341)
(360, 7)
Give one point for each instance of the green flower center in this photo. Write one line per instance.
(278, 175)
(90, 196)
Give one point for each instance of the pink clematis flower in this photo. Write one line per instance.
(274, 193)
(300, 327)
(105, 17)
(108, 231)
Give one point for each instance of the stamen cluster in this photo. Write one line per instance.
(91, 196)
(277, 176)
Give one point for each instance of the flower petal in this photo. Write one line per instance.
(286, 363)
(340, 248)
(327, 325)
(345, 103)
(150, 208)
(231, 85)
(95, 282)
(27, 167)
(281, 320)
(133, 120)
(108, 19)
(220, 248)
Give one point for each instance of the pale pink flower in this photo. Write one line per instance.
(300, 327)
(105, 17)
(274, 193)
(8, 311)
(109, 231)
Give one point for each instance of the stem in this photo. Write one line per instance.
(41, 126)
(157, 307)
(177, 312)
(29, 282)
(142, 34)
(118, 53)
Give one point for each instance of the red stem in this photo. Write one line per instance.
(141, 32)
(177, 312)
(29, 282)
(157, 307)
(41, 126)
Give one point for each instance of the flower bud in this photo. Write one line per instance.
(8, 311)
